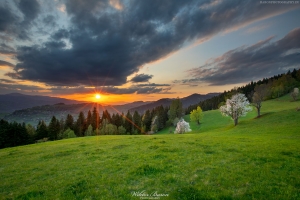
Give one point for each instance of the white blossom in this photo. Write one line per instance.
(236, 107)
(182, 127)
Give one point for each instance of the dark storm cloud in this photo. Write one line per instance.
(30, 9)
(15, 25)
(104, 43)
(254, 62)
(141, 78)
(4, 63)
(49, 20)
(6, 49)
(6, 19)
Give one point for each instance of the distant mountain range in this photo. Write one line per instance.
(32, 109)
(186, 101)
(17, 101)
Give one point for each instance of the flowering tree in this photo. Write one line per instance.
(295, 94)
(236, 107)
(182, 127)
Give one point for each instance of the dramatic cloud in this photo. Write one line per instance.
(8, 86)
(4, 63)
(104, 42)
(251, 62)
(141, 78)
(6, 50)
(111, 90)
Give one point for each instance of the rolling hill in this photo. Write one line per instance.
(257, 159)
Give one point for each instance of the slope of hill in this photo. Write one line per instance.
(257, 159)
(17, 101)
(186, 101)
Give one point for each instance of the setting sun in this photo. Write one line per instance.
(97, 96)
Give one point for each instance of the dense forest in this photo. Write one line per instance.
(151, 121)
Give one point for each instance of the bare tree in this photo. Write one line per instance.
(260, 92)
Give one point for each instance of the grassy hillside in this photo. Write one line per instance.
(258, 159)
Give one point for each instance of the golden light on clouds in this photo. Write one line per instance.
(116, 4)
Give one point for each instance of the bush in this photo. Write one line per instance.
(68, 134)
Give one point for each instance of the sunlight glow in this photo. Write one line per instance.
(97, 96)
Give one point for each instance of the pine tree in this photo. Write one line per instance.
(146, 120)
(176, 109)
(53, 129)
(137, 122)
(95, 119)
(41, 131)
(118, 120)
(89, 118)
(80, 125)
(128, 123)
(69, 123)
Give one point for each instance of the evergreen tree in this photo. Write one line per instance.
(31, 132)
(95, 119)
(137, 122)
(80, 125)
(69, 123)
(41, 131)
(128, 123)
(53, 129)
(176, 110)
(4, 134)
(89, 118)
(118, 120)
(106, 115)
(146, 120)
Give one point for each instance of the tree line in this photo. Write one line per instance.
(151, 121)
(276, 86)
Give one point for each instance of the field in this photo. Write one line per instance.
(258, 159)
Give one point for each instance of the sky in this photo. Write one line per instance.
(135, 50)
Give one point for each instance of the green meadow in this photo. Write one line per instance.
(257, 159)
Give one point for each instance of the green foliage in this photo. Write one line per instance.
(89, 131)
(176, 109)
(109, 129)
(196, 115)
(68, 134)
(121, 130)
